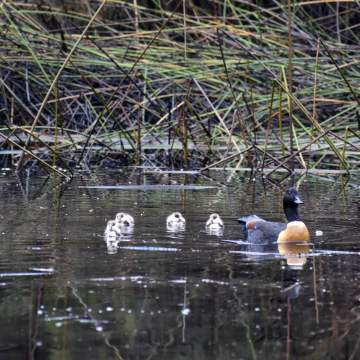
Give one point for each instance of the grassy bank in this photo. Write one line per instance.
(187, 85)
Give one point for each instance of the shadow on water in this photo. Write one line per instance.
(188, 294)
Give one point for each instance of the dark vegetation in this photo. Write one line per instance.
(180, 84)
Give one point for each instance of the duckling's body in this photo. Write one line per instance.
(214, 223)
(260, 231)
(111, 230)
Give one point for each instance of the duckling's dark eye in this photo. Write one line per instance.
(215, 216)
(177, 216)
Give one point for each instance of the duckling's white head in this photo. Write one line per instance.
(124, 220)
(214, 222)
(175, 219)
(110, 224)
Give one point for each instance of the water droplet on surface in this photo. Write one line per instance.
(185, 311)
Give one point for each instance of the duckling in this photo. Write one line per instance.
(214, 222)
(175, 218)
(111, 230)
(260, 231)
(124, 224)
(124, 220)
(175, 221)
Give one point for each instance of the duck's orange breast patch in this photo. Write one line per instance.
(295, 231)
(250, 225)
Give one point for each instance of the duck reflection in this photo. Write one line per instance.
(293, 290)
(294, 254)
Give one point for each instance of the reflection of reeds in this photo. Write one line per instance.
(137, 81)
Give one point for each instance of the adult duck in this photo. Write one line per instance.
(260, 231)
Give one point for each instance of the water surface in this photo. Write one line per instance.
(173, 295)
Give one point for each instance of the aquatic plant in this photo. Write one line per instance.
(231, 83)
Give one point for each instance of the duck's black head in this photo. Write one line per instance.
(291, 201)
(291, 196)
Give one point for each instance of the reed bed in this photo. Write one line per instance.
(180, 85)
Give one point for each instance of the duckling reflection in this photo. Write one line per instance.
(175, 222)
(294, 254)
(112, 246)
(124, 223)
(214, 225)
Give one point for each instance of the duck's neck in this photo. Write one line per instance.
(291, 212)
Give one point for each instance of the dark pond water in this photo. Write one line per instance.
(174, 295)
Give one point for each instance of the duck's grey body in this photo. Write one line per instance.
(262, 231)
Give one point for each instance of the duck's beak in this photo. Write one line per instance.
(298, 200)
